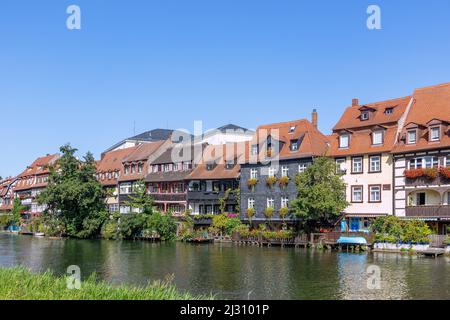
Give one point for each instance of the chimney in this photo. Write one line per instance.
(314, 118)
(355, 102)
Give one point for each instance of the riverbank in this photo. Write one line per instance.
(20, 284)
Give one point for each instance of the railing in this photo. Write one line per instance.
(210, 195)
(333, 237)
(428, 211)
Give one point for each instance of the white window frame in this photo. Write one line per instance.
(270, 202)
(377, 137)
(344, 137)
(284, 202)
(254, 173)
(372, 192)
(434, 130)
(372, 168)
(365, 115)
(251, 203)
(125, 188)
(272, 171)
(303, 166)
(285, 171)
(409, 135)
(339, 163)
(357, 190)
(360, 163)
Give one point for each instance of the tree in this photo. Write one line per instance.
(74, 198)
(320, 196)
(140, 199)
(16, 212)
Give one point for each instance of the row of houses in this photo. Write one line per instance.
(394, 156)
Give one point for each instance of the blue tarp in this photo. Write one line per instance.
(352, 240)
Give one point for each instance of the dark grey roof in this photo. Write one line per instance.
(153, 135)
(231, 126)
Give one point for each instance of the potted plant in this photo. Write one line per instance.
(250, 214)
(283, 181)
(445, 172)
(283, 213)
(270, 181)
(268, 212)
(430, 173)
(414, 173)
(252, 183)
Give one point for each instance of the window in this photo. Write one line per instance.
(431, 162)
(114, 208)
(389, 111)
(447, 161)
(421, 199)
(140, 167)
(357, 194)
(178, 187)
(127, 170)
(187, 166)
(272, 171)
(292, 129)
(364, 115)
(270, 203)
(284, 171)
(344, 141)
(375, 163)
(411, 136)
(374, 193)
(254, 173)
(229, 165)
(251, 203)
(415, 163)
(435, 134)
(357, 165)
(284, 202)
(448, 198)
(125, 209)
(125, 188)
(377, 137)
(340, 164)
(303, 166)
(175, 167)
(166, 168)
(294, 145)
(255, 150)
(210, 166)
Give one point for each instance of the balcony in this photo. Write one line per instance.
(435, 211)
(210, 196)
(168, 197)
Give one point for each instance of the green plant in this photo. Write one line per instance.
(268, 212)
(251, 183)
(223, 200)
(430, 173)
(392, 229)
(250, 214)
(283, 213)
(283, 182)
(270, 181)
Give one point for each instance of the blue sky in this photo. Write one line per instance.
(167, 63)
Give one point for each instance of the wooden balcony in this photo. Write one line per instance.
(428, 211)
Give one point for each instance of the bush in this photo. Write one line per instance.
(283, 182)
(251, 183)
(110, 230)
(162, 224)
(270, 181)
(392, 229)
(283, 213)
(268, 212)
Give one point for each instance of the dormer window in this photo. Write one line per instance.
(344, 141)
(255, 150)
(388, 111)
(210, 166)
(377, 137)
(411, 136)
(292, 129)
(435, 133)
(229, 165)
(365, 115)
(294, 145)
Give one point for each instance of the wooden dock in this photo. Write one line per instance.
(432, 252)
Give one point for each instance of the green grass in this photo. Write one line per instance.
(20, 284)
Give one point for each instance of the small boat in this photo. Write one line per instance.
(39, 234)
(357, 241)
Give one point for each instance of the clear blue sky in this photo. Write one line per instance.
(167, 63)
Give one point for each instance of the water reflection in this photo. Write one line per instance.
(232, 272)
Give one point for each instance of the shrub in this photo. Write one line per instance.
(283, 182)
(414, 173)
(252, 183)
(430, 173)
(268, 212)
(270, 181)
(392, 229)
(250, 213)
(110, 230)
(283, 213)
(445, 172)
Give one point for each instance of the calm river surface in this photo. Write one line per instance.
(232, 272)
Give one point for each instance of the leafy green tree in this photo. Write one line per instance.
(320, 196)
(16, 212)
(74, 198)
(140, 199)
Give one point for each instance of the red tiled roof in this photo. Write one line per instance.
(312, 141)
(37, 169)
(351, 117)
(111, 162)
(430, 103)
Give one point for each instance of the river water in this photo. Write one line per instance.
(237, 272)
